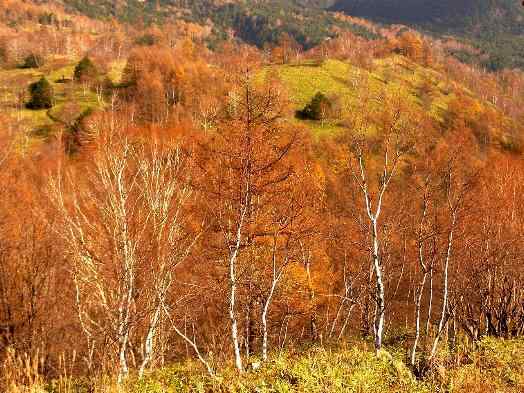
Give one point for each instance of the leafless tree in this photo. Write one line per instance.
(373, 200)
(125, 221)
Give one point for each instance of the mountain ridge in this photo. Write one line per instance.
(495, 28)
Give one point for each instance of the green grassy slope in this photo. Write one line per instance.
(424, 88)
(70, 99)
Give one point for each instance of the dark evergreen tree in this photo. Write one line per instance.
(85, 70)
(42, 95)
(318, 109)
(33, 61)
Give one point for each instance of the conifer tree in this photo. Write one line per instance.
(318, 109)
(85, 70)
(42, 95)
(33, 61)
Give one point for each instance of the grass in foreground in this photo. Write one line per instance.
(495, 366)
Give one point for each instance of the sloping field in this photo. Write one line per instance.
(424, 88)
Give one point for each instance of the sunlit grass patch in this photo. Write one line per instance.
(421, 87)
(305, 80)
(59, 72)
(116, 70)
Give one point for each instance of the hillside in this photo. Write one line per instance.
(256, 196)
(254, 22)
(423, 88)
(496, 26)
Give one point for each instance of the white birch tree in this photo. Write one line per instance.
(124, 220)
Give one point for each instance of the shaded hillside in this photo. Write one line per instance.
(413, 11)
(496, 26)
(254, 22)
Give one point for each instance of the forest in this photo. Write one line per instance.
(184, 210)
(493, 26)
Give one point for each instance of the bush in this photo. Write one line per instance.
(495, 366)
(33, 61)
(148, 39)
(85, 70)
(320, 108)
(42, 95)
(47, 18)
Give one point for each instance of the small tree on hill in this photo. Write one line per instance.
(320, 108)
(85, 70)
(41, 95)
(33, 61)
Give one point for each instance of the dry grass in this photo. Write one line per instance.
(21, 372)
(495, 366)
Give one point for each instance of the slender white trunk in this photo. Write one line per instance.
(443, 314)
(123, 341)
(337, 316)
(348, 294)
(380, 296)
(418, 301)
(264, 334)
(232, 296)
(193, 345)
(232, 315)
(373, 215)
(264, 318)
(313, 316)
(149, 343)
(129, 275)
(348, 315)
(123, 324)
(430, 305)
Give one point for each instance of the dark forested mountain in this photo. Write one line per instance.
(255, 22)
(413, 11)
(496, 26)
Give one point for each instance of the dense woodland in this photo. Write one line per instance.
(167, 199)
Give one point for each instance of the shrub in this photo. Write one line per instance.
(47, 18)
(33, 61)
(41, 95)
(320, 108)
(85, 70)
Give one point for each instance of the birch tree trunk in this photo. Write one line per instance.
(233, 291)
(124, 215)
(313, 317)
(380, 295)
(149, 342)
(373, 204)
(445, 290)
(265, 311)
(418, 301)
(430, 301)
